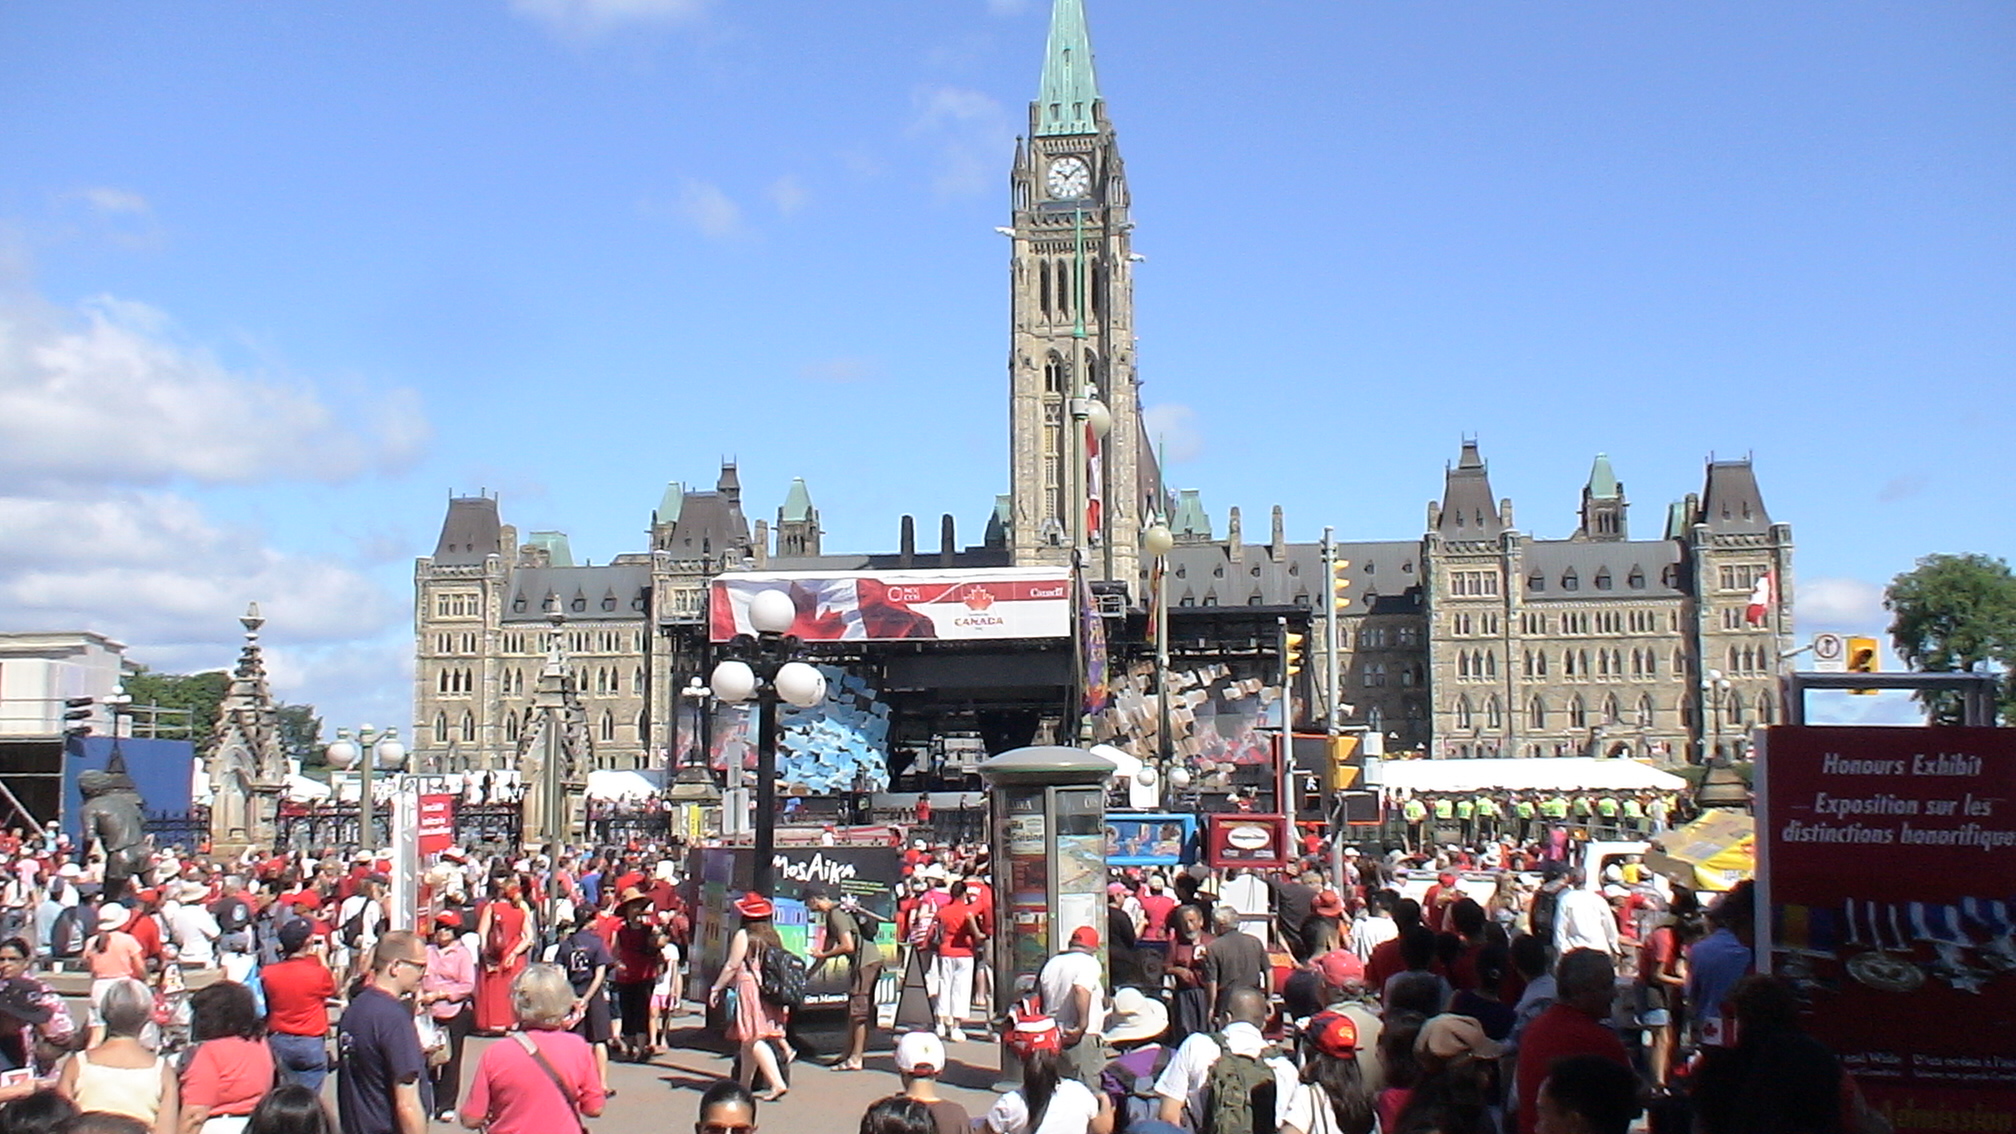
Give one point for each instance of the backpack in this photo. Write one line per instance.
(576, 960)
(232, 916)
(351, 933)
(867, 925)
(1238, 1092)
(782, 977)
(1540, 919)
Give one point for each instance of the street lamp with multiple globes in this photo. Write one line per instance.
(1714, 692)
(388, 754)
(765, 666)
(1157, 540)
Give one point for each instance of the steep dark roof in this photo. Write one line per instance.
(709, 524)
(470, 532)
(1385, 572)
(599, 594)
(1622, 563)
(1469, 511)
(1731, 503)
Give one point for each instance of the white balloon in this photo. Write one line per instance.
(772, 612)
(733, 681)
(801, 684)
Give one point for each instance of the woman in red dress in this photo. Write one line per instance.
(505, 929)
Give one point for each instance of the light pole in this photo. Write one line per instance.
(1157, 540)
(1714, 689)
(387, 753)
(765, 666)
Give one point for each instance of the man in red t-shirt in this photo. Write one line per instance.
(1156, 906)
(1573, 1025)
(960, 935)
(145, 927)
(298, 991)
(1385, 961)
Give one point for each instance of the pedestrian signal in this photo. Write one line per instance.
(1863, 658)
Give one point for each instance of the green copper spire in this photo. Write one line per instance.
(1069, 86)
(1602, 481)
(797, 502)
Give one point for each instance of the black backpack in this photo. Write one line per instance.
(351, 933)
(782, 977)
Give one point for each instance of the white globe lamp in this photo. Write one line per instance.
(772, 612)
(1179, 778)
(733, 681)
(390, 752)
(800, 684)
(1158, 539)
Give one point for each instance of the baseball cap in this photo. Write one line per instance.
(1333, 1033)
(1030, 1033)
(1340, 967)
(920, 1053)
(295, 934)
(1085, 936)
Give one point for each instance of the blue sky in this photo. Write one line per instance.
(275, 279)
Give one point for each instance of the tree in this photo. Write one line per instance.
(1956, 613)
(196, 694)
(301, 734)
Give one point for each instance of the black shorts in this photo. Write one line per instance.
(633, 1001)
(593, 1025)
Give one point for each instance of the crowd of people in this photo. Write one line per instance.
(1513, 994)
(1535, 816)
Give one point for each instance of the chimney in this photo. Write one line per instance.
(761, 552)
(947, 540)
(906, 553)
(1233, 537)
(1279, 547)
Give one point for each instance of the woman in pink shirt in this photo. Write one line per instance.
(113, 955)
(448, 992)
(541, 1079)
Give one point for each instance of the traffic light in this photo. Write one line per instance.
(1342, 764)
(1863, 658)
(1340, 585)
(1293, 652)
(77, 713)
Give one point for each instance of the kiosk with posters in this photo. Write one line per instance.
(1049, 850)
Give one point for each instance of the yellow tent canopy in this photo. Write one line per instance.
(1713, 852)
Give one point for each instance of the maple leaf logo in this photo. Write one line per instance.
(979, 598)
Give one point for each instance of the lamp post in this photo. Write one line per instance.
(1714, 689)
(386, 753)
(1157, 540)
(765, 666)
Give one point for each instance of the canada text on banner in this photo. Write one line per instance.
(975, 605)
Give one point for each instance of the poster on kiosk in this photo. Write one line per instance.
(1886, 896)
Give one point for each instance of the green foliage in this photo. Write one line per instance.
(1956, 613)
(301, 734)
(198, 693)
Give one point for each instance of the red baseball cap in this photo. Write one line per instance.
(1085, 936)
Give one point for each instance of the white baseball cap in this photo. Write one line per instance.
(920, 1053)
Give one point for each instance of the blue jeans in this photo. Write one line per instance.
(302, 1059)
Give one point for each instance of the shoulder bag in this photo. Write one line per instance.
(559, 1084)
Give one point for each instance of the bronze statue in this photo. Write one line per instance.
(114, 815)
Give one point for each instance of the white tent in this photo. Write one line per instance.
(1540, 773)
(608, 783)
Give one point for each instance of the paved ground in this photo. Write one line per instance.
(664, 1095)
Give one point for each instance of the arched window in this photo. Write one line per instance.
(1536, 713)
(1766, 709)
(1570, 581)
(640, 726)
(608, 725)
(1375, 719)
(1582, 662)
(1578, 714)
(1645, 711)
(1610, 710)
(441, 681)
(1679, 661)
(637, 680)
(1603, 578)
(511, 727)
(1651, 663)
(1043, 284)
(1491, 663)
(1494, 715)
(468, 726)
(1464, 715)
(1063, 289)
(440, 728)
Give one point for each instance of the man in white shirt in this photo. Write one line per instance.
(1583, 920)
(1368, 932)
(1180, 1088)
(1074, 994)
(193, 927)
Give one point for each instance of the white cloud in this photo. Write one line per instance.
(1840, 604)
(708, 209)
(107, 199)
(1173, 431)
(590, 19)
(149, 567)
(972, 134)
(841, 369)
(106, 394)
(789, 195)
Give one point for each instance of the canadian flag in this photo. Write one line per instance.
(1760, 601)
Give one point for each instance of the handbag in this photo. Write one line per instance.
(433, 1039)
(559, 1084)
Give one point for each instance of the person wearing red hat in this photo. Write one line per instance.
(1332, 1096)
(1074, 996)
(1051, 1100)
(754, 1023)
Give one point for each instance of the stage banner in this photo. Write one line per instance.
(982, 604)
(1886, 897)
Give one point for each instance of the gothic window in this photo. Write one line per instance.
(1064, 289)
(1679, 662)
(1651, 663)
(1578, 715)
(1645, 711)
(1636, 579)
(1570, 581)
(1098, 284)
(1731, 667)
(1765, 708)
(1491, 663)
(468, 726)
(1617, 662)
(1537, 581)
(440, 728)
(608, 725)
(640, 726)
(1536, 713)
(1540, 663)
(1043, 285)
(1374, 719)
(1637, 663)
(1464, 716)
(1603, 579)
(1582, 662)
(1494, 717)
(441, 682)
(1610, 709)
(1568, 663)
(637, 680)
(511, 727)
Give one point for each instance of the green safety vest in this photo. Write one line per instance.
(1580, 805)
(1414, 811)
(1554, 808)
(1444, 808)
(1487, 808)
(1464, 807)
(1606, 807)
(1523, 809)
(1634, 809)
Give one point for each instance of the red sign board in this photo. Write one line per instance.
(1887, 896)
(437, 824)
(1235, 838)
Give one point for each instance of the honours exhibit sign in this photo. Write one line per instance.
(977, 605)
(1887, 897)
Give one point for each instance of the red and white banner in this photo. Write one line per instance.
(437, 824)
(1759, 609)
(981, 604)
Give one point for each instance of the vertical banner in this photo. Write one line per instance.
(1095, 490)
(1092, 648)
(405, 896)
(1886, 895)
